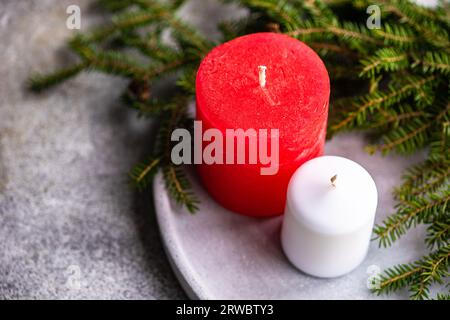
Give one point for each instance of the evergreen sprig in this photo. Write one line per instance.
(418, 276)
(142, 174)
(423, 209)
(400, 73)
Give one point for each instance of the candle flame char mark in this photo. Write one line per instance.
(333, 180)
(262, 76)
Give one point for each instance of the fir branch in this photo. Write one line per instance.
(439, 144)
(439, 178)
(433, 269)
(189, 37)
(142, 174)
(346, 32)
(418, 276)
(120, 5)
(372, 101)
(151, 108)
(421, 20)
(406, 139)
(119, 64)
(231, 29)
(123, 65)
(277, 10)
(390, 117)
(438, 233)
(113, 5)
(168, 67)
(427, 176)
(39, 82)
(409, 214)
(175, 178)
(331, 47)
(397, 277)
(112, 62)
(341, 72)
(386, 59)
(319, 11)
(124, 22)
(179, 187)
(442, 296)
(396, 35)
(186, 81)
(435, 62)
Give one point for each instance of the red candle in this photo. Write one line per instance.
(262, 81)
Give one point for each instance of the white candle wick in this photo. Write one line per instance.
(333, 180)
(262, 76)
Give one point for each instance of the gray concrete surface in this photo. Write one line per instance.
(70, 227)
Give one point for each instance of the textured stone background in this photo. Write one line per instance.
(70, 227)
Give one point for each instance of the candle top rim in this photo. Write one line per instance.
(294, 97)
(341, 209)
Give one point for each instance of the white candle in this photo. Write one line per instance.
(329, 215)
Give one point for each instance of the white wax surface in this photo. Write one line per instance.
(327, 209)
(326, 229)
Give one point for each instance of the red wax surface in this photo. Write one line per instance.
(295, 101)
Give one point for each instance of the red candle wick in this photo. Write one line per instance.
(262, 76)
(262, 84)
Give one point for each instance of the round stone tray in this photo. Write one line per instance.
(217, 254)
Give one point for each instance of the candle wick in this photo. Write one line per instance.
(262, 76)
(333, 180)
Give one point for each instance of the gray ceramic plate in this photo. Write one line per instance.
(218, 254)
